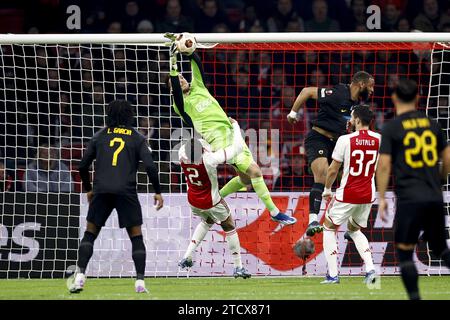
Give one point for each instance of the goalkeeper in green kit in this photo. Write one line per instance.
(200, 110)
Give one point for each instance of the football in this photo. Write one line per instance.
(186, 43)
(303, 248)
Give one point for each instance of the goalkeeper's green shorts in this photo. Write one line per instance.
(243, 160)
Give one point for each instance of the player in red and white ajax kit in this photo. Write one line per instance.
(199, 165)
(358, 151)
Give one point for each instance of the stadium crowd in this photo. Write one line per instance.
(56, 95)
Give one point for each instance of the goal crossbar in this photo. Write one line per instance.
(288, 37)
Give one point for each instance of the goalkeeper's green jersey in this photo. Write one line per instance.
(206, 114)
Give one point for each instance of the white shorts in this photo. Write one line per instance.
(341, 212)
(219, 213)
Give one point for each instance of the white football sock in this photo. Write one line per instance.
(234, 245)
(330, 250)
(362, 244)
(312, 217)
(199, 234)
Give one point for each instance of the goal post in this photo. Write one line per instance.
(54, 89)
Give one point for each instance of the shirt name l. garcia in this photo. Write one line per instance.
(120, 131)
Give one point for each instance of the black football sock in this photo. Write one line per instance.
(139, 255)
(315, 200)
(409, 273)
(85, 250)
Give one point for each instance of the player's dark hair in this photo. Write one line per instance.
(406, 90)
(120, 113)
(194, 150)
(361, 76)
(363, 113)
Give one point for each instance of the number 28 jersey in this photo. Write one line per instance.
(414, 142)
(359, 153)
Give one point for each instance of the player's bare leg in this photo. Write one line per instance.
(197, 237)
(138, 255)
(234, 245)
(253, 176)
(362, 245)
(85, 251)
(319, 169)
(331, 251)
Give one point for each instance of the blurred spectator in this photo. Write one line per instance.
(146, 127)
(145, 26)
(389, 18)
(220, 28)
(6, 181)
(294, 176)
(358, 16)
(174, 21)
(47, 173)
(431, 19)
(257, 27)
(320, 21)
(114, 27)
(249, 19)
(403, 25)
(209, 16)
(284, 13)
(131, 18)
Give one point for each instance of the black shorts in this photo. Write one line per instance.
(318, 146)
(413, 217)
(127, 206)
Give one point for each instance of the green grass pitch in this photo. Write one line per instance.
(257, 288)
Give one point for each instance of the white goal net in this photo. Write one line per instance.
(53, 99)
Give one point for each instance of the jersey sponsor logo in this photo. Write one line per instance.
(343, 110)
(328, 92)
(120, 131)
(200, 107)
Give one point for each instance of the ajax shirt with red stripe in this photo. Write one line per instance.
(359, 153)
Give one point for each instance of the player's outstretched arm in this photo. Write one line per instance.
(145, 154)
(382, 177)
(306, 94)
(198, 74)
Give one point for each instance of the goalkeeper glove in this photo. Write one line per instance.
(173, 59)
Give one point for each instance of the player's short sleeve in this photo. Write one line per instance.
(386, 139)
(339, 149)
(328, 95)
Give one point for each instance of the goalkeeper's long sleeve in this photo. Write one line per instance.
(179, 100)
(85, 163)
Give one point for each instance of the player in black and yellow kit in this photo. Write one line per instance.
(334, 112)
(413, 145)
(117, 149)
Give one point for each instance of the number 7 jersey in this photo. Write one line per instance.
(359, 153)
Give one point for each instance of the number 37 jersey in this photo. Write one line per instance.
(359, 153)
(414, 142)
